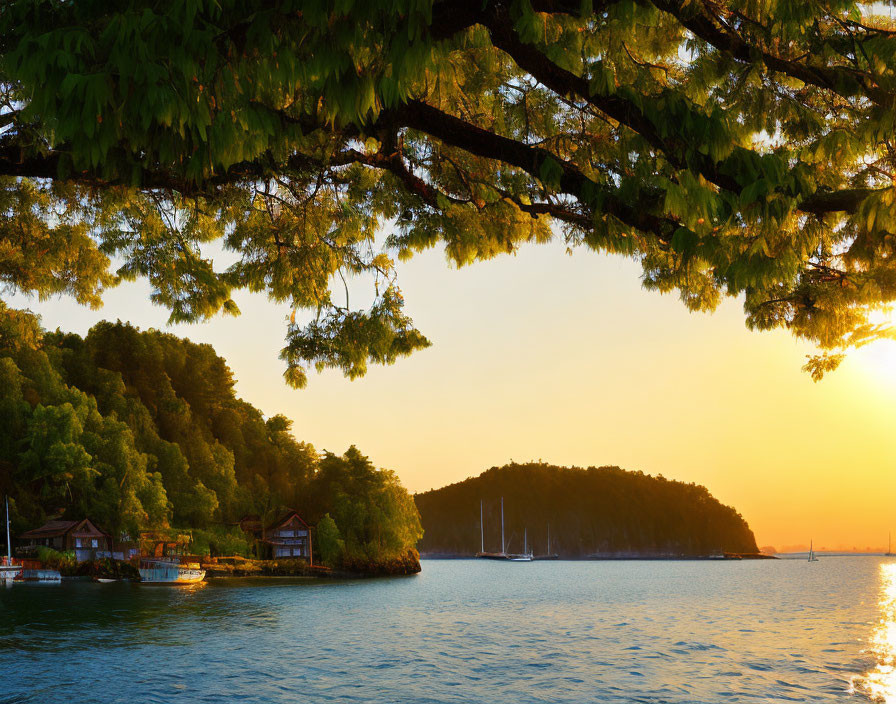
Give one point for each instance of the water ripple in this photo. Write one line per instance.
(465, 632)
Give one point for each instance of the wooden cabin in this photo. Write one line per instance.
(288, 537)
(83, 537)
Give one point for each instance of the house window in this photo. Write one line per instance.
(94, 543)
(77, 542)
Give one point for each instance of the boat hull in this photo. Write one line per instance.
(9, 572)
(170, 573)
(504, 556)
(42, 575)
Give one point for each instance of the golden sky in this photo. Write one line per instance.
(566, 359)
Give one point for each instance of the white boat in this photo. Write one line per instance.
(48, 576)
(526, 554)
(8, 569)
(167, 560)
(812, 557)
(169, 570)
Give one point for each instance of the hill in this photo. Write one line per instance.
(143, 430)
(598, 510)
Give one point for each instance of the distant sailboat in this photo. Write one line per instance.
(525, 556)
(548, 555)
(812, 557)
(889, 552)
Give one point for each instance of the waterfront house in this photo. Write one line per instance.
(288, 537)
(83, 537)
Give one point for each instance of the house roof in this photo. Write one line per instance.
(285, 519)
(50, 529)
(54, 529)
(88, 529)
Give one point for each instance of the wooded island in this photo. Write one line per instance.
(142, 431)
(594, 512)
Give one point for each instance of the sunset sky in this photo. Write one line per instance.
(566, 359)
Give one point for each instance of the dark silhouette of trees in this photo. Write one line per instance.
(598, 510)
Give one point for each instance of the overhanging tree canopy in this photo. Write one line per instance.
(733, 148)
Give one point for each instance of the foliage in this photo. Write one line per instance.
(55, 559)
(221, 540)
(733, 148)
(375, 515)
(598, 510)
(329, 545)
(142, 430)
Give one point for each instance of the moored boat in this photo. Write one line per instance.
(162, 570)
(548, 555)
(168, 561)
(525, 556)
(41, 574)
(9, 570)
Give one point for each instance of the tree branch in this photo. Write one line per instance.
(837, 79)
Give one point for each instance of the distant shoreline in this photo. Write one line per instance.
(617, 556)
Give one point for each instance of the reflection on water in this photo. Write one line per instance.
(880, 683)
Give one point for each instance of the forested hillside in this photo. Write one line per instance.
(599, 510)
(143, 430)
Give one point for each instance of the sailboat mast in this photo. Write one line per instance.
(502, 526)
(8, 538)
(481, 529)
(525, 541)
(549, 538)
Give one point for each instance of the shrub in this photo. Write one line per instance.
(221, 540)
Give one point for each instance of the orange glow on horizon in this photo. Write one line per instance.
(567, 359)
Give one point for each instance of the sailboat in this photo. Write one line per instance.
(812, 557)
(889, 552)
(8, 570)
(525, 556)
(548, 555)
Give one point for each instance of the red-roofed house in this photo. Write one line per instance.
(83, 537)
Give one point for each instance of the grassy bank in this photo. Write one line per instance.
(293, 567)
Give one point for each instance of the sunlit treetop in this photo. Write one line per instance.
(739, 148)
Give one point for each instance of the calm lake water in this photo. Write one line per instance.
(467, 631)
